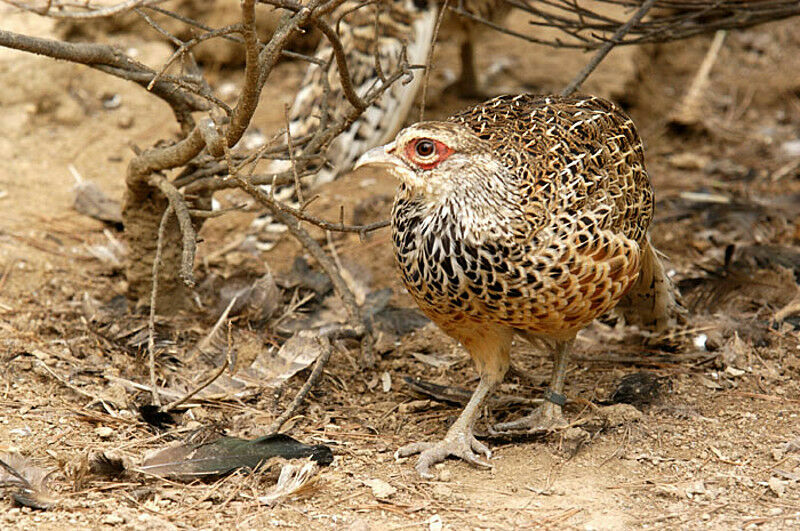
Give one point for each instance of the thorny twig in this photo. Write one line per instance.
(56, 8)
(603, 51)
(151, 321)
(225, 364)
(316, 372)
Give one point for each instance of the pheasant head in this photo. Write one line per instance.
(437, 160)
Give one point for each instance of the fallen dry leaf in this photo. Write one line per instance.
(28, 480)
(380, 489)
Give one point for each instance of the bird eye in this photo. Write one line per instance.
(426, 153)
(425, 148)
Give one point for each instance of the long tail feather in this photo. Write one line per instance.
(653, 302)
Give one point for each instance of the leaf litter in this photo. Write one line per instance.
(27, 482)
(681, 481)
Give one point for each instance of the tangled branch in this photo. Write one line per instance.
(81, 10)
(112, 61)
(588, 25)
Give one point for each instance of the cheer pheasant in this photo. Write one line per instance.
(523, 215)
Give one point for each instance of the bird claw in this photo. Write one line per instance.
(464, 447)
(541, 420)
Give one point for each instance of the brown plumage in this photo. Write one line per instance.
(522, 215)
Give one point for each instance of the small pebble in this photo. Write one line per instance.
(113, 519)
(104, 432)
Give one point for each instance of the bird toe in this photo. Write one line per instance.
(411, 449)
(536, 422)
(467, 449)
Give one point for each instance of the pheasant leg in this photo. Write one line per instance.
(459, 441)
(547, 416)
(469, 85)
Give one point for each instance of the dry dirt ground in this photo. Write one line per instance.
(718, 448)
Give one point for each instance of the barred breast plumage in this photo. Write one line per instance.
(548, 243)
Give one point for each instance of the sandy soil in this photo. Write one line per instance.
(718, 449)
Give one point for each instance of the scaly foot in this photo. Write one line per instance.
(458, 443)
(546, 417)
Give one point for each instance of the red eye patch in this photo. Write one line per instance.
(427, 153)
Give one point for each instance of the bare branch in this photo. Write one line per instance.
(297, 187)
(178, 204)
(316, 372)
(151, 321)
(153, 24)
(311, 245)
(83, 10)
(185, 47)
(110, 60)
(248, 99)
(586, 26)
(603, 51)
(341, 65)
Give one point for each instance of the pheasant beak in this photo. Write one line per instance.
(382, 156)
